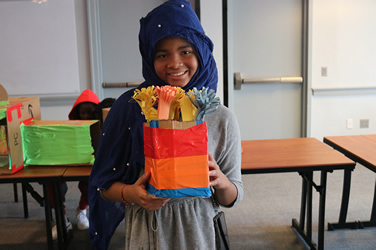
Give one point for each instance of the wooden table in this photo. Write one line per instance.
(77, 173)
(43, 175)
(361, 149)
(304, 156)
(50, 175)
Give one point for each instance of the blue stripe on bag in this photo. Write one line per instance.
(179, 193)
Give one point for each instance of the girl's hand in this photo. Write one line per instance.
(217, 178)
(225, 190)
(137, 193)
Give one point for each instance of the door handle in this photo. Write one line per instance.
(238, 80)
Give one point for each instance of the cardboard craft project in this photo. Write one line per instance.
(176, 139)
(70, 142)
(176, 154)
(14, 111)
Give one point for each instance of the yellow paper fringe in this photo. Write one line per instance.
(188, 110)
(147, 100)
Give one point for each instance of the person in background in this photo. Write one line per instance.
(175, 51)
(85, 108)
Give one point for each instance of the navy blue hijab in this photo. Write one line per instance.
(120, 155)
(175, 18)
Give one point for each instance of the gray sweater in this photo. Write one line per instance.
(225, 145)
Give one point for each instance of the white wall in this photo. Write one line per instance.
(38, 53)
(342, 38)
(58, 107)
(329, 115)
(45, 52)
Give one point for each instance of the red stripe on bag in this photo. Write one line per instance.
(168, 143)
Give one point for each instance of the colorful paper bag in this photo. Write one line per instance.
(177, 158)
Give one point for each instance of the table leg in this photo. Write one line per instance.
(303, 203)
(373, 213)
(24, 200)
(15, 191)
(26, 187)
(59, 215)
(47, 210)
(309, 205)
(322, 192)
(306, 209)
(345, 196)
(372, 222)
(344, 206)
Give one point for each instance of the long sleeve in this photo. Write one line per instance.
(225, 145)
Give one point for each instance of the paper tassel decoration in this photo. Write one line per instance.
(146, 99)
(165, 96)
(187, 109)
(205, 101)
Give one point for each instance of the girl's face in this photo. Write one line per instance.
(175, 61)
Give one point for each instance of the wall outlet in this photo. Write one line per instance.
(349, 123)
(324, 71)
(364, 123)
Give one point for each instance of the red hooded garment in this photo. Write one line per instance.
(86, 96)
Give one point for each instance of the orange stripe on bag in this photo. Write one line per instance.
(180, 172)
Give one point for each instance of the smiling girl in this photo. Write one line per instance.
(175, 51)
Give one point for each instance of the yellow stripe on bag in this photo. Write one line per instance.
(179, 172)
